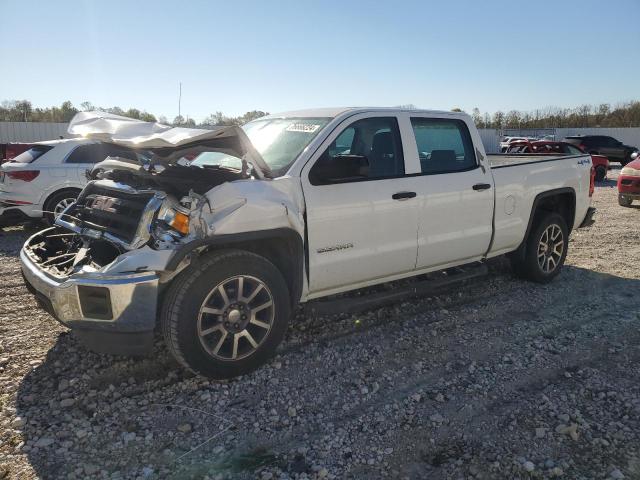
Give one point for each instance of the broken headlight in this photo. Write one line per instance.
(177, 220)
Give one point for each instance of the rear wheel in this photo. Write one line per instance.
(624, 201)
(225, 315)
(57, 203)
(545, 250)
(601, 173)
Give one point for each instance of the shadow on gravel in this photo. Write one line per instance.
(86, 413)
(607, 182)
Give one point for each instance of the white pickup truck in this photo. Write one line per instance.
(218, 238)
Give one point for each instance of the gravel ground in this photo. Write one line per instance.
(497, 378)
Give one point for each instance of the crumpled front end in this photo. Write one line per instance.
(110, 312)
(99, 269)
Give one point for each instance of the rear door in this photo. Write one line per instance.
(83, 158)
(361, 206)
(455, 193)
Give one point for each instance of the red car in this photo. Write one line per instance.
(600, 162)
(629, 182)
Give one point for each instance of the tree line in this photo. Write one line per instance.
(603, 115)
(584, 116)
(24, 111)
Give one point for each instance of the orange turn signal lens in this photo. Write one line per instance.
(180, 223)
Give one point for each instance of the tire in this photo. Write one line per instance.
(194, 305)
(624, 201)
(529, 266)
(57, 202)
(601, 173)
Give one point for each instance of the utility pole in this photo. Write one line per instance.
(179, 98)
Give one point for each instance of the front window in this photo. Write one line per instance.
(280, 140)
(368, 149)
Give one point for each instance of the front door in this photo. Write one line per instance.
(361, 207)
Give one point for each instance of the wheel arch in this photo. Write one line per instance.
(281, 246)
(56, 192)
(559, 200)
(60, 190)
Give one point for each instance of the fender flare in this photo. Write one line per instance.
(294, 277)
(534, 208)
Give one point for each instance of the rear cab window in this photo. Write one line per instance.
(444, 145)
(32, 154)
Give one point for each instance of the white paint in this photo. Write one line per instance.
(54, 175)
(446, 224)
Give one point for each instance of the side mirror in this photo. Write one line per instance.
(339, 169)
(635, 155)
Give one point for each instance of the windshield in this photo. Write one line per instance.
(206, 159)
(32, 154)
(280, 140)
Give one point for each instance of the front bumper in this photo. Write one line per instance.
(632, 196)
(629, 186)
(588, 218)
(110, 313)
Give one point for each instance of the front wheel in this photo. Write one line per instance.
(225, 315)
(624, 201)
(545, 251)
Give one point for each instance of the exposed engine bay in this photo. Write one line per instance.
(128, 204)
(133, 214)
(61, 252)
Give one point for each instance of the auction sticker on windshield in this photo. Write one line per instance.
(302, 127)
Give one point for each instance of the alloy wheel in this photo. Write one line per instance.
(235, 318)
(550, 248)
(62, 205)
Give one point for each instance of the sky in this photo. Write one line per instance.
(280, 55)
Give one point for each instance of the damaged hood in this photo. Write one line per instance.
(137, 134)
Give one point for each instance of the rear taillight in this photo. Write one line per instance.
(24, 175)
(592, 182)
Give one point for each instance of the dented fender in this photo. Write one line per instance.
(250, 211)
(254, 205)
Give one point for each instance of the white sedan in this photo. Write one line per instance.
(46, 179)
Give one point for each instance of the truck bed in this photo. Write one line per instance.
(501, 160)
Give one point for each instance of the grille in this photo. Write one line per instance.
(114, 211)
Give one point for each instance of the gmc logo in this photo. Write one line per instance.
(106, 204)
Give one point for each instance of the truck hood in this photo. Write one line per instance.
(154, 136)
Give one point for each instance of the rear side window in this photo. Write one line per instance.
(95, 153)
(32, 154)
(444, 145)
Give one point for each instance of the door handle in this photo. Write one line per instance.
(403, 195)
(482, 186)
